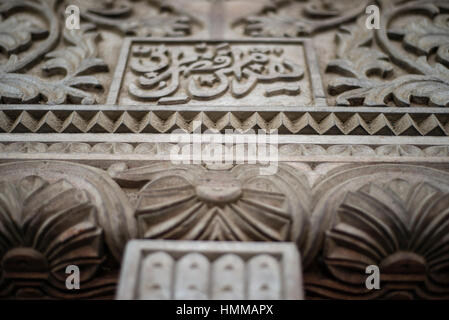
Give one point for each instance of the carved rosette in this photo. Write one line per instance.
(44, 228)
(393, 217)
(192, 203)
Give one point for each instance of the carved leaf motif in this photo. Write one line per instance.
(275, 25)
(359, 62)
(43, 228)
(292, 19)
(403, 91)
(424, 36)
(74, 61)
(17, 32)
(212, 210)
(354, 56)
(27, 88)
(400, 227)
(79, 58)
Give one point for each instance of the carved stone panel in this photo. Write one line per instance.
(185, 270)
(231, 73)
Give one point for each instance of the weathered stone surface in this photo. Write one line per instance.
(86, 124)
(232, 73)
(186, 270)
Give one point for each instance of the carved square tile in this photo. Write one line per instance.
(191, 73)
(198, 270)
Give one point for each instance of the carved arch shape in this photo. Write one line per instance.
(194, 203)
(114, 213)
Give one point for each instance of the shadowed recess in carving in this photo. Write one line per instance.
(408, 124)
(169, 74)
(423, 54)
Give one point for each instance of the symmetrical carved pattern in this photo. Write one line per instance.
(357, 60)
(185, 270)
(40, 238)
(360, 180)
(53, 215)
(294, 18)
(389, 124)
(384, 215)
(285, 151)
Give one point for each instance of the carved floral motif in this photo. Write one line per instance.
(74, 216)
(357, 59)
(294, 18)
(399, 227)
(169, 19)
(39, 239)
(73, 61)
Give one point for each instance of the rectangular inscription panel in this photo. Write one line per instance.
(217, 73)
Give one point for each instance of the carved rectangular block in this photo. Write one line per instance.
(223, 73)
(210, 270)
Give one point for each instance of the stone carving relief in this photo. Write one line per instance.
(32, 29)
(403, 63)
(185, 270)
(361, 114)
(341, 216)
(155, 18)
(286, 152)
(191, 203)
(306, 123)
(385, 215)
(232, 73)
(53, 215)
(426, 81)
(291, 18)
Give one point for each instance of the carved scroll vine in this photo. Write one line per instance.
(408, 124)
(293, 18)
(170, 75)
(74, 61)
(53, 215)
(358, 60)
(77, 60)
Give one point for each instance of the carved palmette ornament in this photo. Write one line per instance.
(406, 237)
(54, 215)
(192, 203)
(392, 217)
